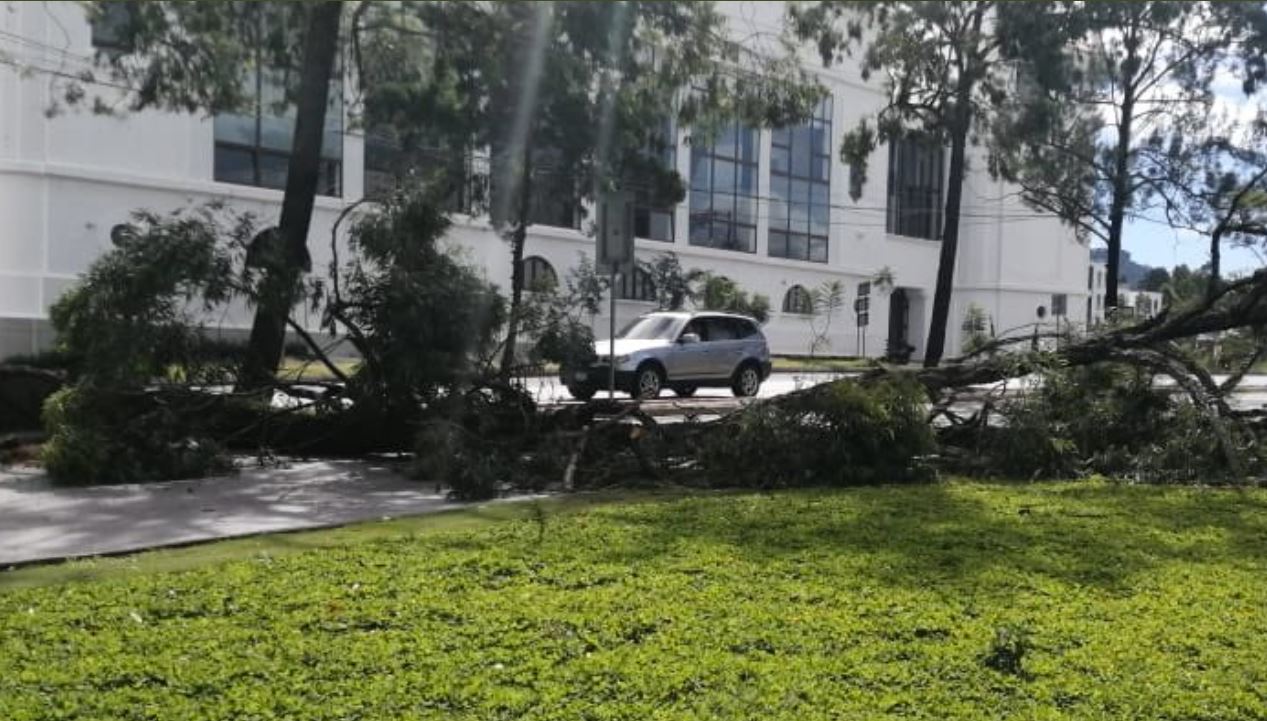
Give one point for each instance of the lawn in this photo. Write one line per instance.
(1130, 603)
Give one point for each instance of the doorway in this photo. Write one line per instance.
(899, 345)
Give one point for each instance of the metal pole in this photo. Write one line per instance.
(611, 340)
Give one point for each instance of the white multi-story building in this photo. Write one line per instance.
(770, 209)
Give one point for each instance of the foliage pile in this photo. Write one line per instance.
(864, 603)
(132, 323)
(848, 434)
(1108, 419)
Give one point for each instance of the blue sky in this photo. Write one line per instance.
(1154, 243)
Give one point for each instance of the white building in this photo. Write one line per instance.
(66, 180)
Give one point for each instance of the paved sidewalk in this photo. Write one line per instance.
(39, 521)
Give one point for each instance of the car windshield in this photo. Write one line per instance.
(652, 327)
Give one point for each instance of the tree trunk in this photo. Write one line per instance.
(517, 238)
(950, 235)
(286, 256)
(1212, 287)
(1121, 167)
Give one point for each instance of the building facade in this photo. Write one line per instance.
(771, 209)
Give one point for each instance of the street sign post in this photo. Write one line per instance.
(615, 254)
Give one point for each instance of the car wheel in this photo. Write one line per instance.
(684, 391)
(747, 381)
(582, 393)
(647, 383)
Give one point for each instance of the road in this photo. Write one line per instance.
(1252, 392)
(548, 390)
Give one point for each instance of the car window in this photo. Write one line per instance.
(719, 329)
(742, 328)
(697, 327)
(652, 327)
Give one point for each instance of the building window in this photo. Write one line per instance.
(253, 147)
(651, 220)
(539, 275)
(798, 300)
(636, 286)
(554, 194)
(915, 188)
(800, 188)
(724, 191)
(112, 26)
(1090, 277)
(1059, 304)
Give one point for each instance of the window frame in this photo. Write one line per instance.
(783, 141)
(746, 162)
(535, 268)
(913, 202)
(798, 301)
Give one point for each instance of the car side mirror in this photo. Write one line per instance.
(688, 338)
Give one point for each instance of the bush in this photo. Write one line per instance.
(1105, 419)
(844, 433)
(422, 318)
(100, 437)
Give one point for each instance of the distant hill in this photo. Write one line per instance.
(1130, 271)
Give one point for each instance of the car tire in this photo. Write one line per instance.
(684, 391)
(747, 381)
(648, 382)
(582, 393)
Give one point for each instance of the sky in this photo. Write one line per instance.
(1151, 242)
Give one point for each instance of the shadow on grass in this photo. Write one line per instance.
(1094, 535)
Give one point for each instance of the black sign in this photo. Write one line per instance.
(863, 319)
(862, 305)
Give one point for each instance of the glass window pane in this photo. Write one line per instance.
(818, 250)
(819, 194)
(236, 129)
(234, 165)
(724, 175)
(701, 170)
(700, 201)
(701, 230)
(746, 209)
(778, 213)
(277, 133)
(273, 170)
(780, 136)
(797, 246)
(726, 145)
(822, 169)
(799, 192)
(800, 152)
(820, 220)
(748, 145)
(747, 180)
(778, 244)
(723, 206)
(779, 160)
(819, 141)
(747, 238)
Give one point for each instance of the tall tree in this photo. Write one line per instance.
(1090, 131)
(190, 57)
(570, 99)
(943, 73)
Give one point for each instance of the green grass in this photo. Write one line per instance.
(298, 369)
(1137, 603)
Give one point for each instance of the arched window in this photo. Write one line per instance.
(636, 286)
(798, 300)
(539, 275)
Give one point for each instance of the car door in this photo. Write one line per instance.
(688, 360)
(723, 349)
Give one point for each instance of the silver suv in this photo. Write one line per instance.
(681, 351)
